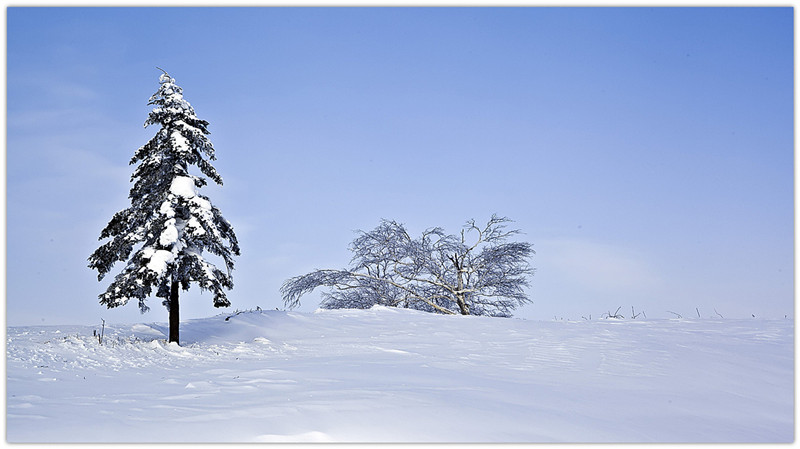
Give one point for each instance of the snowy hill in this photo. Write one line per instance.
(389, 375)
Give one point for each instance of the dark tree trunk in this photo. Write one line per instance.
(462, 304)
(174, 313)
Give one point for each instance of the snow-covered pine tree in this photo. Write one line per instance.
(169, 224)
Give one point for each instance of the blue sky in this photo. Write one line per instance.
(647, 153)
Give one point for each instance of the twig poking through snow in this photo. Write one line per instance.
(616, 314)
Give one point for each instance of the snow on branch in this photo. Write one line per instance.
(168, 220)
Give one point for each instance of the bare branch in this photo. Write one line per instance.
(436, 272)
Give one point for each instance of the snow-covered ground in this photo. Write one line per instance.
(390, 375)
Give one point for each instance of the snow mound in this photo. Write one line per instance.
(393, 375)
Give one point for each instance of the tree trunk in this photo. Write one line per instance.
(462, 304)
(174, 313)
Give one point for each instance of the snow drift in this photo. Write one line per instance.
(393, 375)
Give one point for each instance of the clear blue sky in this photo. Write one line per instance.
(647, 153)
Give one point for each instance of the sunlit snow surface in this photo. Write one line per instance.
(389, 375)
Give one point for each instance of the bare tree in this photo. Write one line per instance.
(475, 273)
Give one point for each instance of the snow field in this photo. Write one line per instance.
(393, 375)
